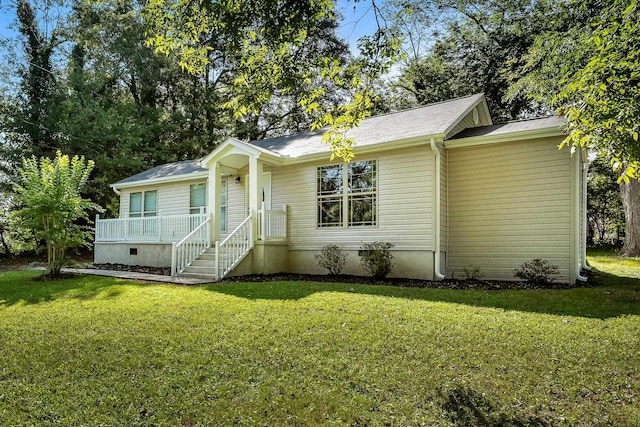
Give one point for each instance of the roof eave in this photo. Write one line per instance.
(505, 137)
(161, 180)
(367, 149)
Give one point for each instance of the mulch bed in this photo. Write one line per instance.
(163, 271)
(342, 278)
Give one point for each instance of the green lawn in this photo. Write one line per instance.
(95, 351)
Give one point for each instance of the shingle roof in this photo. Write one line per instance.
(165, 171)
(432, 119)
(511, 127)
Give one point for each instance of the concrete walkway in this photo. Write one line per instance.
(131, 275)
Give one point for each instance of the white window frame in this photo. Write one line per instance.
(143, 213)
(345, 197)
(193, 210)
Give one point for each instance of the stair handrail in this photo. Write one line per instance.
(228, 256)
(184, 252)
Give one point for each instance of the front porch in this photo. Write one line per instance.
(188, 240)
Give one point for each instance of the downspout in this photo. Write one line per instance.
(577, 243)
(118, 192)
(436, 215)
(585, 173)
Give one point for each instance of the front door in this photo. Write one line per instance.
(266, 191)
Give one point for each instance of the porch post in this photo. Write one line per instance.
(255, 190)
(214, 188)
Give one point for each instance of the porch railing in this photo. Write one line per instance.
(160, 229)
(190, 248)
(272, 223)
(234, 248)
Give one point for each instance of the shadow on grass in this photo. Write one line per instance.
(19, 288)
(614, 297)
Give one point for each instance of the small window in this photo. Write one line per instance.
(143, 203)
(223, 205)
(197, 198)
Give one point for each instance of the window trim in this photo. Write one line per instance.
(143, 213)
(346, 197)
(199, 208)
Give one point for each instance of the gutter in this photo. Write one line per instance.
(115, 190)
(580, 254)
(436, 210)
(585, 172)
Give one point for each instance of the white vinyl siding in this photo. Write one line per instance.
(235, 204)
(173, 198)
(404, 198)
(509, 203)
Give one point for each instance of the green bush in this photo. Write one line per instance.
(376, 258)
(331, 257)
(537, 271)
(472, 272)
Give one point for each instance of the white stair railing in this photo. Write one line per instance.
(234, 248)
(190, 248)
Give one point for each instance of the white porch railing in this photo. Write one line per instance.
(160, 229)
(272, 223)
(234, 248)
(190, 248)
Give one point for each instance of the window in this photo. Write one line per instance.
(355, 201)
(198, 200)
(223, 205)
(143, 203)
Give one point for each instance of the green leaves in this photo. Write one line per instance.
(274, 47)
(50, 203)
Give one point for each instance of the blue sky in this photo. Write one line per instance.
(358, 20)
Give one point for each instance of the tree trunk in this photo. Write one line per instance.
(630, 194)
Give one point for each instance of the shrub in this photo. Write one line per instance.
(331, 257)
(472, 272)
(538, 271)
(376, 258)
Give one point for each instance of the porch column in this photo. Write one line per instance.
(255, 190)
(213, 200)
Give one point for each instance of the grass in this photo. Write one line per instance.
(97, 351)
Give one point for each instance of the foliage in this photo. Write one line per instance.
(332, 258)
(267, 40)
(127, 347)
(601, 99)
(604, 205)
(376, 258)
(538, 271)
(472, 272)
(476, 48)
(50, 204)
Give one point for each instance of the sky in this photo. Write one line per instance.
(358, 20)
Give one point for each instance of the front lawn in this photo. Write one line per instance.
(97, 351)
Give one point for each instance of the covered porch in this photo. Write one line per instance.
(215, 240)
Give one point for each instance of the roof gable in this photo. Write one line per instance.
(433, 120)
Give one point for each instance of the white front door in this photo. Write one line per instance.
(266, 191)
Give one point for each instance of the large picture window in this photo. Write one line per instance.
(353, 204)
(143, 203)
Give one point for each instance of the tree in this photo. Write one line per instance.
(483, 42)
(605, 212)
(266, 39)
(49, 202)
(590, 73)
